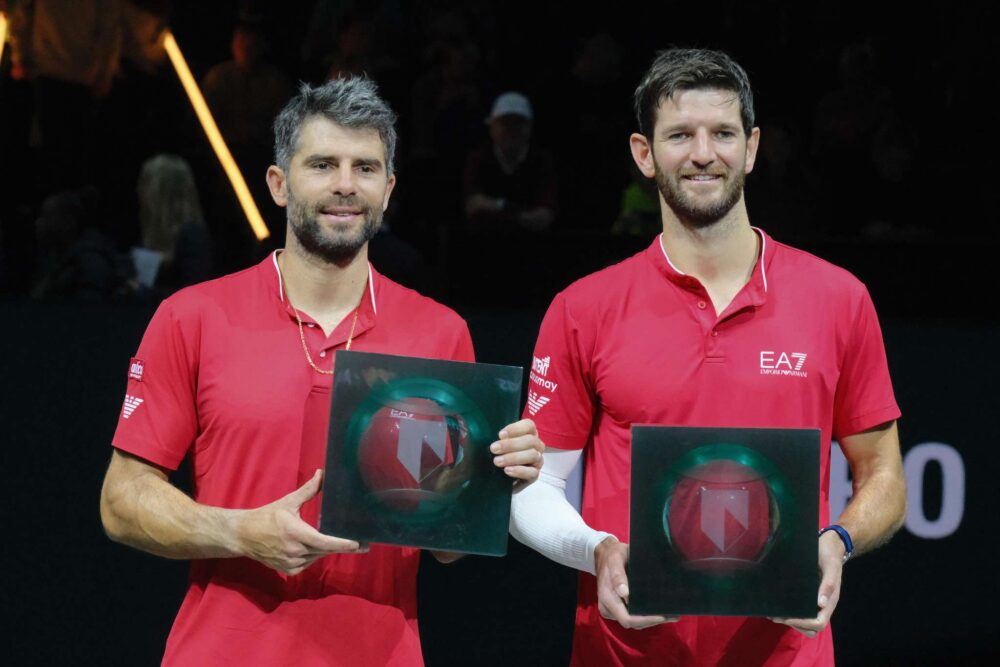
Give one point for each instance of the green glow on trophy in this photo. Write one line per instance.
(408, 460)
(723, 521)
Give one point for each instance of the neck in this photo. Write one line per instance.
(320, 288)
(724, 251)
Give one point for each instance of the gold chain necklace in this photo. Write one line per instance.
(302, 333)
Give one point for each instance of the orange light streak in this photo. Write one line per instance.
(3, 34)
(215, 137)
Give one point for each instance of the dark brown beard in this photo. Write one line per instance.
(693, 214)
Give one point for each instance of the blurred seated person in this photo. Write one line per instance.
(176, 248)
(76, 260)
(510, 183)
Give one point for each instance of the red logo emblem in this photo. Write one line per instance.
(135, 369)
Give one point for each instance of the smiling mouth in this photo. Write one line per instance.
(702, 178)
(341, 213)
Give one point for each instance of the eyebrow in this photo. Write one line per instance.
(685, 127)
(361, 162)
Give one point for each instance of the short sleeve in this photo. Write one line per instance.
(159, 417)
(864, 396)
(463, 350)
(560, 394)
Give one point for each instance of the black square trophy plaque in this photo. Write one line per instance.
(408, 458)
(723, 521)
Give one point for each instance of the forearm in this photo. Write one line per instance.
(147, 512)
(876, 511)
(543, 519)
(878, 505)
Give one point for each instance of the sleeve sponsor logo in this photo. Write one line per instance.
(536, 402)
(782, 363)
(131, 405)
(135, 369)
(539, 368)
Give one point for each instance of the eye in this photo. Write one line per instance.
(677, 136)
(366, 169)
(726, 134)
(321, 166)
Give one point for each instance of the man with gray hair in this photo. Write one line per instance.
(237, 373)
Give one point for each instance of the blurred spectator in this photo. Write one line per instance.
(445, 119)
(777, 190)
(246, 93)
(845, 125)
(510, 183)
(76, 260)
(352, 37)
(640, 212)
(592, 126)
(176, 249)
(70, 51)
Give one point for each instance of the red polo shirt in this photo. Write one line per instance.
(639, 342)
(221, 375)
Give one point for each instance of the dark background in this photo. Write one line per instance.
(922, 235)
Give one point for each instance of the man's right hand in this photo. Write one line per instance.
(276, 536)
(610, 558)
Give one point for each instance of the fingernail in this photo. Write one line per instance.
(509, 471)
(495, 448)
(823, 600)
(498, 460)
(503, 434)
(622, 590)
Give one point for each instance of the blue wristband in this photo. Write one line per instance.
(845, 537)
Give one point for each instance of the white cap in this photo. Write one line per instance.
(511, 104)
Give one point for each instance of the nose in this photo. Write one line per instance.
(345, 183)
(702, 150)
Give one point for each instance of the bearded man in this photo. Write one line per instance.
(697, 330)
(236, 373)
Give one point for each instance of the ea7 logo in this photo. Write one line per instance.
(782, 363)
(400, 413)
(540, 366)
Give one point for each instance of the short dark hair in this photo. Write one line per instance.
(690, 69)
(351, 101)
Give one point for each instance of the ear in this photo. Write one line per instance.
(388, 191)
(278, 185)
(753, 141)
(642, 153)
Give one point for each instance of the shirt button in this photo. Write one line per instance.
(702, 304)
(311, 325)
(715, 334)
(322, 353)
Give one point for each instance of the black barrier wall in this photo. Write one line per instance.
(73, 597)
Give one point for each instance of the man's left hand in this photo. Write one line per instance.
(519, 451)
(831, 564)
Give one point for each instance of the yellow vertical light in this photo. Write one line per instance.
(3, 33)
(215, 137)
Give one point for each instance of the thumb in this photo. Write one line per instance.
(299, 496)
(827, 588)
